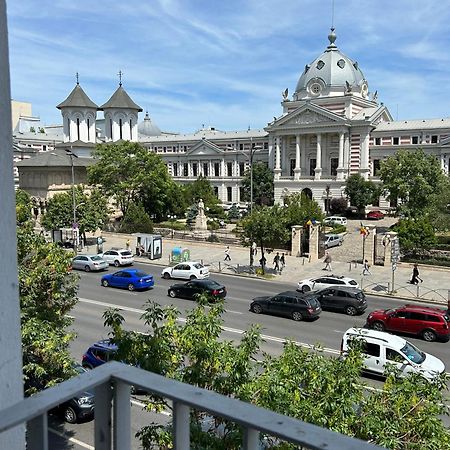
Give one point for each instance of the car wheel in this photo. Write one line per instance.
(192, 277)
(131, 287)
(87, 269)
(172, 293)
(378, 326)
(297, 316)
(105, 283)
(325, 247)
(305, 288)
(350, 310)
(429, 335)
(116, 263)
(257, 309)
(340, 243)
(166, 275)
(70, 416)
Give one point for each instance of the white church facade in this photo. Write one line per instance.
(331, 127)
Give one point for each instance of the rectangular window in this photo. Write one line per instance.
(216, 191)
(395, 140)
(241, 146)
(229, 194)
(205, 170)
(434, 139)
(376, 167)
(266, 145)
(175, 169)
(185, 170)
(241, 194)
(292, 167)
(194, 169)
(217, 169)
(241, 169)
(229, 169)
(333, 166)
(377, 141)
(414, 139)
(371, 349)
(312, 167)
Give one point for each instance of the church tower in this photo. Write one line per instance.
(121, 116)
(79, 114)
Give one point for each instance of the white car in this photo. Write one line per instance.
(189, 270)
(314, 284)
(335, 220)
(118, 257)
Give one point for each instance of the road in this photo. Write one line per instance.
(327, 330)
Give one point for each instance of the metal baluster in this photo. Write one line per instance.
(181, 426)
(37, 433)
(251, 439)
(103, 397)
(122, 416)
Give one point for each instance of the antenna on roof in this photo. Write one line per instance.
(78, 81)
(120, 77)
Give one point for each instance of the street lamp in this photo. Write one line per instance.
(327, 204)
(74, 206)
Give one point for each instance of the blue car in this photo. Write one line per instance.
(131, 279)
(99, 353)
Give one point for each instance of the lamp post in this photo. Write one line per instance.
(327, 205)
(74, 206)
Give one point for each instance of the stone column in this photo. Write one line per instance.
(313, 243)
(277, 170)
(364, 158)
(297, 170)
(346, 154)
(318, 170)
(341, 168)
(222, 167)
(296, 246)
(271, 163)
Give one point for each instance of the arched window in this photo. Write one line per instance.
(120, 128)
(110, 128)
(88, 126)
(78, 129)
(68, 127)
(131, 130)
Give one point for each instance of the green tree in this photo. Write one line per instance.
(92, 210)
(201, 188)
(414, 180)
(136, 220)
(360, 192)
(263, 191)
(415, 235)
(47, 294)
(338, 205)
(128, 172)
(234, 213)
(299, 208)
(266, 226)
(24, 205)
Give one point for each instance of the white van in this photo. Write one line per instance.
(338, 220)
(380, 348)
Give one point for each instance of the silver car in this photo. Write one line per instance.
(89, 262)
(332, 240)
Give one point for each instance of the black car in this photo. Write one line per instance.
(290, 303)
(195, 287)
(348, 300)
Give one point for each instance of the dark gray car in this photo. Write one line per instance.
(348, 300)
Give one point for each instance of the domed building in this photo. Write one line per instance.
(147, 128)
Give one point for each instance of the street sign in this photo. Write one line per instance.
(394, 266)
(75, 225)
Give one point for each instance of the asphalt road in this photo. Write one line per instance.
(95, 299)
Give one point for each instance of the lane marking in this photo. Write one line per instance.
(71, 439)
(228, 329)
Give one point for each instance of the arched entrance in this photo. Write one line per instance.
(307, 192)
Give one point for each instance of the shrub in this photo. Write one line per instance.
(213, 225)
(338, 205)
(212, 238)
(339, 228)
(136, 220)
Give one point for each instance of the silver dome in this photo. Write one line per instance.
(331, 74)
(148, 128)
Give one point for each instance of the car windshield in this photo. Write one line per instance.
(96, 258)
(198, 266)
(212, 284)
(360, 296)
(352, 282)
(125, 253)
(313, 302)
(413, 353)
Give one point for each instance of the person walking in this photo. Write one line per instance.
(327, 262)
(128, 244)
(263, 261)
(366, 267)
(227, 254)
(254, 248)
(276, 262)
(415, 275)
(282, 262)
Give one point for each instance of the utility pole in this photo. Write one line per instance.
(74, 205)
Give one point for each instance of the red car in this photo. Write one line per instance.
(425, 321)
(375, 215)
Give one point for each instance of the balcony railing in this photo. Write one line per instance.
(111, 384)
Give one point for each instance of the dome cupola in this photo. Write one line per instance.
(331, 74)
(148, 128)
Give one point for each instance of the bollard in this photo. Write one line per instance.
(309, 258)
(220, 268)
(304, 264)
(237, 269)
(356, 264)
(417, 293)
(350, 266)
(389, 288)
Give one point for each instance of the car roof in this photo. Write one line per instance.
(381, 335)
(105, 344)
(291, 294)
(341, 288)
(425, 309)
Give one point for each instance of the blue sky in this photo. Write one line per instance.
(224, 63)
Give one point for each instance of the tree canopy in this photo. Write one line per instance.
(24, 204)
(263, 191)
(299, 208)
(361, 192)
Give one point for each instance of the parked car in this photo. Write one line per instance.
(289, 304)
(195, 287)
(428, 322)
(375, 215)
(89, 262)
(99, 353)
(189, 270)
(131, 279)
(380, 349)
(335, 220)
(118, 257)
(349, 300)
(314, 284)
(332, 240)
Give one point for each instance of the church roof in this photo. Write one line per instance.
(120, 99)
(55, 158)
(77, 98)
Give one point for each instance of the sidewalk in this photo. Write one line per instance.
(435, 287)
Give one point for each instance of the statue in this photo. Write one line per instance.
(201, 208)
(200, 225)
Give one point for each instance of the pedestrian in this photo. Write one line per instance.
(415, 275)
(282, 261)
(276, 262)
(327, 262)
(255, 249)
(263, 261)
(227, 254)
(128, 244)
(366, 267)
(141, 250)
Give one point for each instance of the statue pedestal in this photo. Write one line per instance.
(200, 223)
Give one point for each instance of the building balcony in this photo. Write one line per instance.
(111, 384)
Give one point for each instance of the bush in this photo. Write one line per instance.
(212, 238)
(136, 220)
(337, 229)
(179, 226)
(338, 205)
(213, 225)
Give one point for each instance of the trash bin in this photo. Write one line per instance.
(185, 254)
(180, 254)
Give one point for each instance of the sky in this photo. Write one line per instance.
(224, 63)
